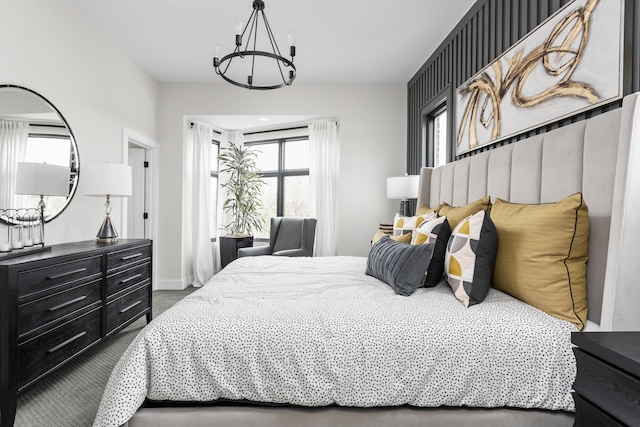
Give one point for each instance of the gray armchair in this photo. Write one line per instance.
(288, 237)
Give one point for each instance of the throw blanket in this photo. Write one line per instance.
(318, 331)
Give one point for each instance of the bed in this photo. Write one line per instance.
(315, 341)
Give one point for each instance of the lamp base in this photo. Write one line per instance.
(107, 232)
(405, 208)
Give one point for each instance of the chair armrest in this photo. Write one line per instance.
(255, 251)
(290, 252)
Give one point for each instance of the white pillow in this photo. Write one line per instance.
(407, 224)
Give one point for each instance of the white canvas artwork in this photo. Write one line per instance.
(570, 63)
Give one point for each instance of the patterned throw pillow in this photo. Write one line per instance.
(399, 265)
(407, 224)
(437, 232)
(470, 256)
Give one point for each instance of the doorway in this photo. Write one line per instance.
(139, 212)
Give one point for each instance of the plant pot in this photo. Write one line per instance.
(229, 246)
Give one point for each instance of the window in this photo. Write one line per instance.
(437, 145)
(51, 145)
(285, 166)
(440, 138)
(215, 151)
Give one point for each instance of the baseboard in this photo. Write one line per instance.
(172, 285)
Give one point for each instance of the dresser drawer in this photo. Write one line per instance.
(45, 352)
(38, 313)
(126, 257)
(124, 279)
(57, 276)
(127, 307)
(612, 390)
(588, 415)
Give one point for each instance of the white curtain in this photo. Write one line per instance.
(200, 205)
(13, 147)
(324, 153)
(224, 218)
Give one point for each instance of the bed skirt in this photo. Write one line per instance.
(245, 416)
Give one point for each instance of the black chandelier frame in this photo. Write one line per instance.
(252, 26)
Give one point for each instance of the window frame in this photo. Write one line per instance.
(281, 174)
(216, 174)
(439, 104)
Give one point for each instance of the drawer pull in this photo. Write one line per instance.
(122, 282)
(64, 304)
(124, 310)
(68, 273)
(126, 258)
(69, 341)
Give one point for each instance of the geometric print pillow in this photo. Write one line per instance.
(470, 257)
(427, 231)
(407, 224)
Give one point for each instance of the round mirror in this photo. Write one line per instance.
(32, 133)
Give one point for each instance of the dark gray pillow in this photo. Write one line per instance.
(400, 265)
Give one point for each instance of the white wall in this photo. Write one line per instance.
(373, 146)
(48, 47)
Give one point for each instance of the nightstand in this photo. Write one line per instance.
(607, 386)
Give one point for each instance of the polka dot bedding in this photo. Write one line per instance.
(318, 331)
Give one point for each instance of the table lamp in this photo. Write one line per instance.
(42, 179)
(404, 188)
(107, 180)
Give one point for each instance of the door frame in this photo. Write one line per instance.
(151, 187)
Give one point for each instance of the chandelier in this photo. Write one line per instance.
(271, 63)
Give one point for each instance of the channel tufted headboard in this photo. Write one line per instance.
(591, 156)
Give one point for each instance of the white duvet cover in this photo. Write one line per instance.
(318, 331)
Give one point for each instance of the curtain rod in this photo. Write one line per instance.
(212, 129)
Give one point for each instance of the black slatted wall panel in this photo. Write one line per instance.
(488, 29)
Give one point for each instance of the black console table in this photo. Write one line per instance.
(607, 386)
(56, 304)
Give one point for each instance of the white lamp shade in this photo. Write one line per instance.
(102, 179)
(42, 179)
(403, 187)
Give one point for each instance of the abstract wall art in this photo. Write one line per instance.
(570, 63)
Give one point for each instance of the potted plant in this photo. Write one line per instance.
(243, 204)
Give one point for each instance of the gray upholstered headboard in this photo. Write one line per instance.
(590, 156)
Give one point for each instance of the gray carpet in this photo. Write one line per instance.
(70, 397)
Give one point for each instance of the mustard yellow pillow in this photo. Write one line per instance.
(422, 209)
(458, 213)
(404, 238)
(542, 255)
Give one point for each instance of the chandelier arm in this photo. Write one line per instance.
(252, 25)
(272, 39)
(274, 46)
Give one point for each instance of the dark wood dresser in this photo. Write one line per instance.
(56, 304)
(607, 386)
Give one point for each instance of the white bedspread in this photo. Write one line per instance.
(317, 331)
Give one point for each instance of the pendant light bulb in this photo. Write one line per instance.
(292, 43)
(216, 56)
(238, 33)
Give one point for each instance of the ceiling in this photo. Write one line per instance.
(338, 41)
